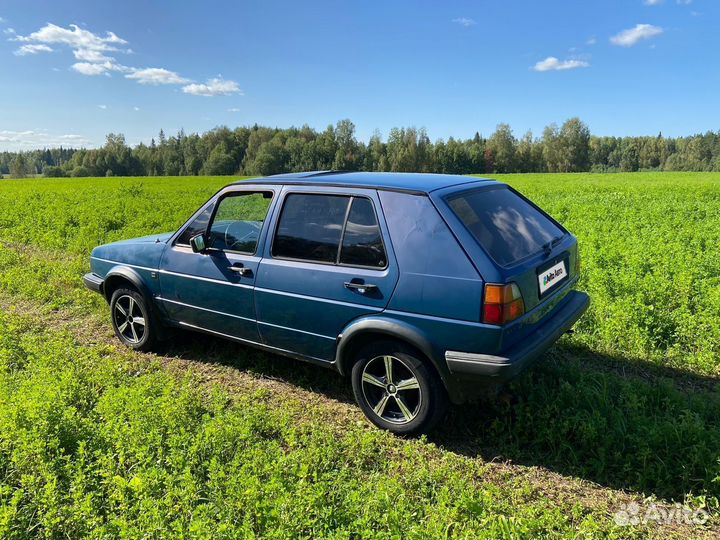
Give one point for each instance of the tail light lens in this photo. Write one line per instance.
(503, 303)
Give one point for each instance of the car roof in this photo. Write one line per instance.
(411, 182)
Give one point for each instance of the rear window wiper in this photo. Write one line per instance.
(548, 247)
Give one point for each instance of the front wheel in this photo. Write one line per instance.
(132, 320)
(397, 390)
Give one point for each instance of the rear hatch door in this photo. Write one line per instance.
(510, 239)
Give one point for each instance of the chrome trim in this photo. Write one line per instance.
(296, 330)
(183, 304)
(436, 318)
(259, 345)
(207, 279)
(474, 358)
(245, 286)
(170, 273)
(319, 299)
(125, 264)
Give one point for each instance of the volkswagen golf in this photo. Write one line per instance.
(423, 289)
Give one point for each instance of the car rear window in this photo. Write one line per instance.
(507, 226)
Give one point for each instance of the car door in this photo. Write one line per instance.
(327, 262)
(213, 290)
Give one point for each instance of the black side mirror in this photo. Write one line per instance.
(197, 243)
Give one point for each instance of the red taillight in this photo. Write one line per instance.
(493, 313)
(503, 303)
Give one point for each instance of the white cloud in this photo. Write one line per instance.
(591, 41)
(90, 69)
(32, 48)
(553, 64)
(156, 76)
(684, 2)
(233, 109)
(652, 2)
(103, 107)
(27, 140)
(136, 109)
(86, 46)
(9, 31)
(90, 55)
(464, 21)
(631, 36)
(91, 52)
(77, 38)
(213, 87)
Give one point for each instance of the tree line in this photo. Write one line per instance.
(259, 150)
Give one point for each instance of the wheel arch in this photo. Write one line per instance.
(122, 275)
(362, 331)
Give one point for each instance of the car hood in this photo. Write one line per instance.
(156, 238)
(139, 252)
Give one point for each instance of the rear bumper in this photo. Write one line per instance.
(93, 282)
(514, 360)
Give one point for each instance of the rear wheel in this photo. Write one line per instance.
(132, 320)
(397, 390)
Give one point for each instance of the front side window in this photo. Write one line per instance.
(197, 226)
(335, 229)
(238, 221)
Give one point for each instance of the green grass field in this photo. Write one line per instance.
(212, 439)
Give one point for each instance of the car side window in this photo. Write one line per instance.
(362, 243)
(238, 221)
(310, 227)
(320, 228)
(197, 226)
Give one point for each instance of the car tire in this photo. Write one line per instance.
(133, 320)
(405, 397)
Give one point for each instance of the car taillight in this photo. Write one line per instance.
(503, 303)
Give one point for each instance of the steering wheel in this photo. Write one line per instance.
(232, 242)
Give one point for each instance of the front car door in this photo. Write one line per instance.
(328, 261)
(213, 290)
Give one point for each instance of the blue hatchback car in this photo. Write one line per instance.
(424, 289)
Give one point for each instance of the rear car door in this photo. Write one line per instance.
(328, 261)
(523, 244)
(213, 290)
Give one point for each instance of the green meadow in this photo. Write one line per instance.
(210, 439)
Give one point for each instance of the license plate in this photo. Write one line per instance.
(552, 276)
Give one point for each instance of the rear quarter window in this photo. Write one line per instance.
(505, 225)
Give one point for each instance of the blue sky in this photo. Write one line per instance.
(76, 70)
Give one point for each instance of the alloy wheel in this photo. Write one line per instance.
(129, 319)
(391, 389)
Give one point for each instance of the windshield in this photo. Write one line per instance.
(504, 224)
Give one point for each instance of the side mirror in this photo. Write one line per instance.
(197, 243)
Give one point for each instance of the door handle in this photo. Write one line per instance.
(362, 288)
(240, 269)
